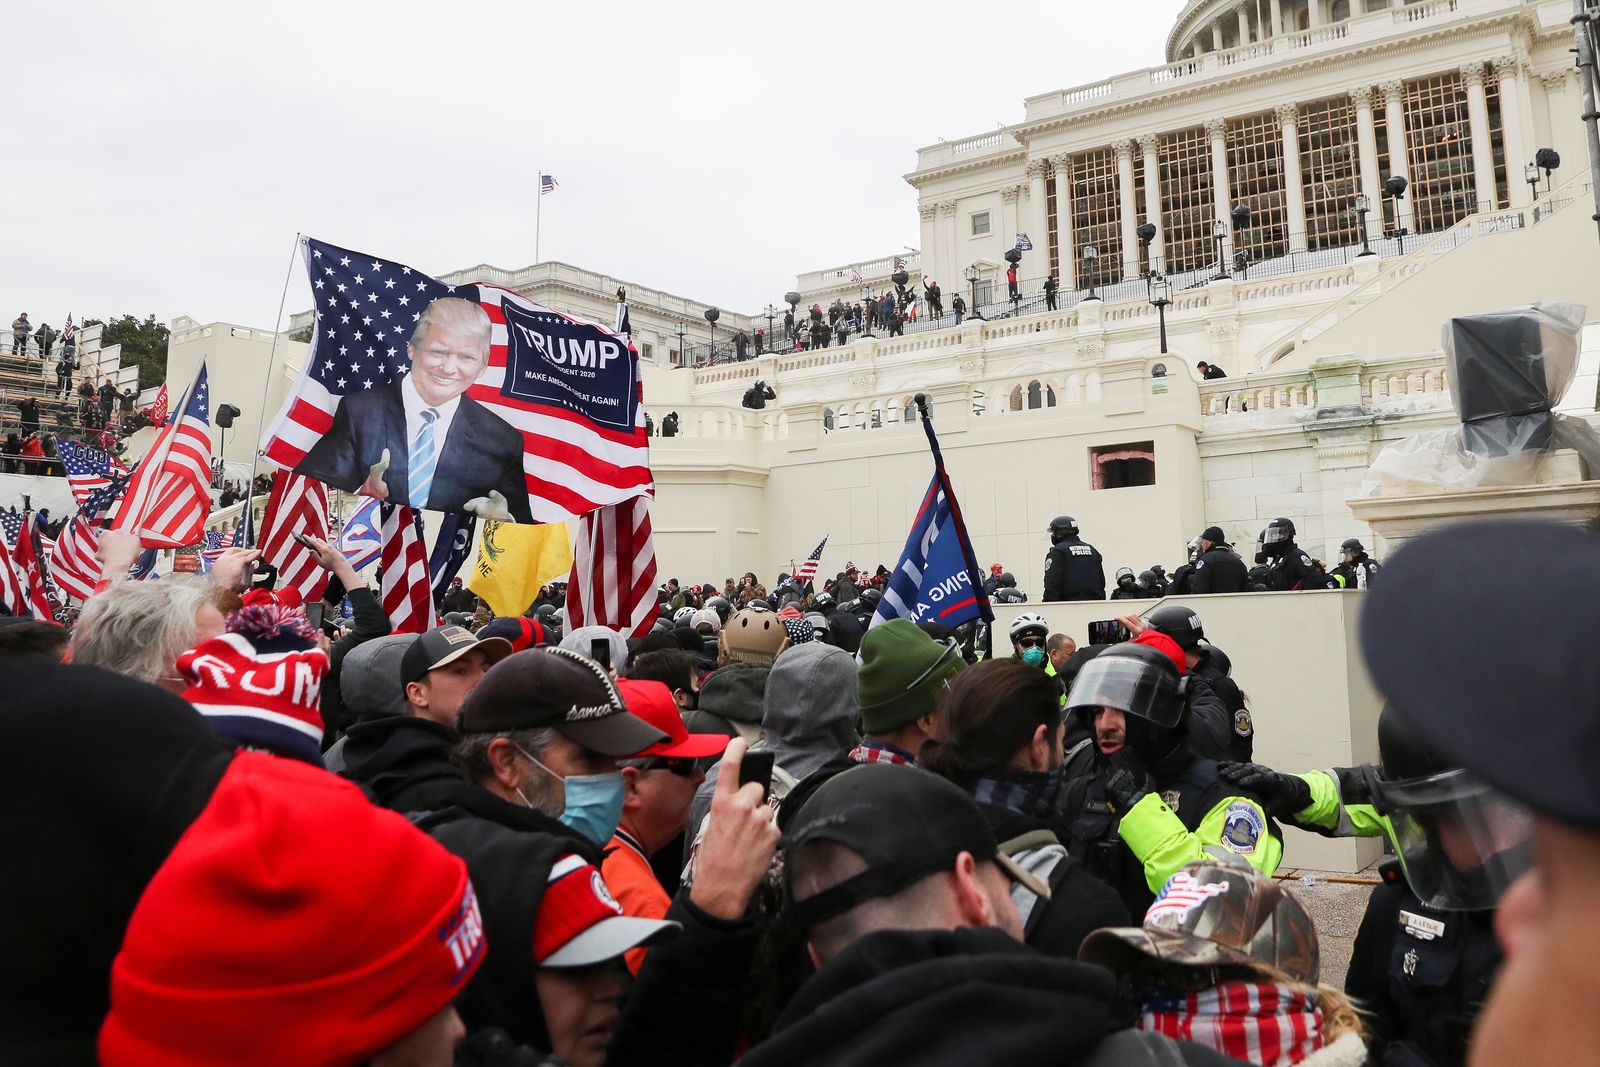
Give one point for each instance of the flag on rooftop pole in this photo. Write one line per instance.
(297, 505)
(547, 184)
(808, 570)
(166, 501)
(360, 539)
(405, 592)
(1023, 243)
(937, 577)
(613, 580)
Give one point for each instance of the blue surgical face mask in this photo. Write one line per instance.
(594, 801)
(1033, 656)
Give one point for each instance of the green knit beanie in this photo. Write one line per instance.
(903, 675)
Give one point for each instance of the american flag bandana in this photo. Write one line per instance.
(1258, 1022)
(876, 752)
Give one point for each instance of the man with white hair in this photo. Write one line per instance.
(420, 440)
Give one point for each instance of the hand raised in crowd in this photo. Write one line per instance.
(333, 561)
(741, 839)
(117, 552)
(232, 568)
(1134, 623)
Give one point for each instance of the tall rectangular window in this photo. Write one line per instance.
(1255, 167)
(1330, 172)
(1380, 133)
(1439, 152)
(1096, 216)
(1187, 205)
(1053, 221)
(1497, 142)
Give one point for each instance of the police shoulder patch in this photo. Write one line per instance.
(1242, 827)
(1242, 723)
(1305, 559)
(1170, 798)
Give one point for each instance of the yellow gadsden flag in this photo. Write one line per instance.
(515, 559)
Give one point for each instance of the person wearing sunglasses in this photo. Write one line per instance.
(658, 785)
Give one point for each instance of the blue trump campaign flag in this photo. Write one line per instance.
(937, 578)
(360, 539)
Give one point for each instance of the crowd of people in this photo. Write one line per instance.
(771, 830)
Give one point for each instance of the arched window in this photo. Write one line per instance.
(1049, 396)
(1015, 403)
(1035, 395)
(1339, 10)
(827, 420)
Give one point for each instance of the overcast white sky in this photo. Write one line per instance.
(165, 155)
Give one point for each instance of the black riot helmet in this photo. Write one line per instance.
(1277, 538)
(1145, 686)
(871, 596)
(1352, 545)
(1460, 842)
(1007, 580)
(1179, 623)
(1063, 526)
(721, 605)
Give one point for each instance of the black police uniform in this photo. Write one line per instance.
(1219, 570)
(1295, 570)
(1242, 739)
(1073, 570)
(1422, 973)
(1357, 574)
(756, 397)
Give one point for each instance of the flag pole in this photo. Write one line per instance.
(538, 210)
(272, 356)
(925, 406)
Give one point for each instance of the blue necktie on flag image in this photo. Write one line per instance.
(450, 551)
(361, 538)
(1023, 243)
(937, 577)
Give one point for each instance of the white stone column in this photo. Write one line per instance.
(1478, 130)
(1244, 24)
(1039, 212)
(1513, 110)
(928, 212)
(1277, 18)
(1563, 111)
(1294, 191)
(1069, 248)
(1394, 120)
(947, 215)
(1149, 146)
(1367, 147)
(1216, 35)
(1008, 215)
(1314, 14)
(1221, 191)
(1127, 209)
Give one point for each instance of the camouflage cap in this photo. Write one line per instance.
(1211, 915)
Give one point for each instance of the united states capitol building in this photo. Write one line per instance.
(1304, 112)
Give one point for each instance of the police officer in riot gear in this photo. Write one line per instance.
(1204, 661)
(1356, 568)
(1289, 567)
(756, 397)
(1127, 588)
(1151, 805)
(1073, 569)
(1217, 567)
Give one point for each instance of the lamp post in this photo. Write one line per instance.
(866, 312)
(1219, 234)
(712, 315)
(1147, 233)
(1548, 160)
(1160, 293)
(1241, 256)
(1395, 188)
(683, 353)
(1091, 256)
(1530, 174)
(1364, 205)
(771, 313)
(972, 274)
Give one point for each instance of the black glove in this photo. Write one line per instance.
(1357, 785)
(1126, 781)
(493, 1047)
(1282, 794)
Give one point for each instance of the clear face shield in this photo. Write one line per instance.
(1129, 686)
(1460, 842)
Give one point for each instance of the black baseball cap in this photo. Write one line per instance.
(906, 823)
(435, 648)
(1527, 723)
(558, 688)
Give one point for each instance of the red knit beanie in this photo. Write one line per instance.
(1166, 646)
(260, 684)
(293, 923)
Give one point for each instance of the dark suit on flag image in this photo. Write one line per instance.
(445, 449)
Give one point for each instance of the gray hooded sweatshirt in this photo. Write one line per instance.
(808, 716)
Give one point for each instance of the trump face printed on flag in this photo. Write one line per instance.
(419, 440)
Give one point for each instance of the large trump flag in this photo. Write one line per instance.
(465, 398)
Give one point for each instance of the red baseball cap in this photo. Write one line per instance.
(652, 702)
(580, 923)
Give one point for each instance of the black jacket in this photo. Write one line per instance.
(403, 763)
(481, 452)
(1073, 570)
(1295, 570)
(957, 998)
(1220, 570)
(1241, 742)
(370, 622)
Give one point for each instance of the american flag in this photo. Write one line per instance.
(899, 264)
(407, 597)
(577, 457)
(212, 547)
(158, 410)
(1181, 895)
(67, 330)
(166, 502)
(808, 569)
(88, 469)
(297, 505)
(855, 275)
(360, 539)
(22, 581)
(613, 581)
(72, 562)
(547, 184)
